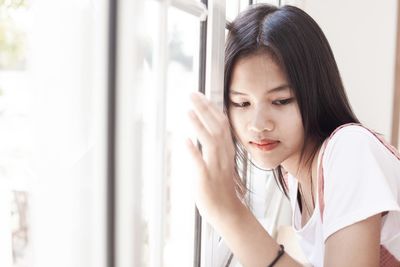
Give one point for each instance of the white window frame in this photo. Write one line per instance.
(214, 91)
(128, 129)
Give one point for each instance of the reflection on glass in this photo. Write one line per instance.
(15, 95)
(20, 238)
(13, 26)
(183, 42)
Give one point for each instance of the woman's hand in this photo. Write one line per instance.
(214, 172)
(215, 191)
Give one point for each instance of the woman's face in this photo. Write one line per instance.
(264, 112)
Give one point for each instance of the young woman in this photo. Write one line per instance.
(287, 110)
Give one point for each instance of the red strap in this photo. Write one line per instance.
(387, 259)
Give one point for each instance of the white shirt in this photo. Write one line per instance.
(361, 179)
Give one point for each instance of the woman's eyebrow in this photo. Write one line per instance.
(273, 90)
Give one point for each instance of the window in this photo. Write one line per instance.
(51, 79)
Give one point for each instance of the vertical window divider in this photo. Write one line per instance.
(157, 213)
(128, 127)
(111, 106)
(395, 136)
(202, 83)
(214, 91)
(215, 51)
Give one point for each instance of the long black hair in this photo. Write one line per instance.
(301, 49)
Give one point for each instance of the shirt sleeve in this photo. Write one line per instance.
(359, 179)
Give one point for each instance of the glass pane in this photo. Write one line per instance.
(151, 58)
(244, 4)
(232, 9)
(181, 31)
(16, 140)
(48, 189)
(272, 2)
(183, 62)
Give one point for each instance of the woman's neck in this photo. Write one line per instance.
(307, 177)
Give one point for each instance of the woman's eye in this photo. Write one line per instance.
(240, 104)
(282, 101)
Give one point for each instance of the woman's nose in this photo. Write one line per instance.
(261, 122)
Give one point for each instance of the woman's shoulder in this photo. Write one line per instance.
(354, 140)
(360, 178)
(351, 131)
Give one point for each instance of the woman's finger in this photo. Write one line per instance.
(218, 147)
(211, 154)
(218, 113)
(221, 120)
(225, 135)
(197, 158)
(205, 113)
(202, 133)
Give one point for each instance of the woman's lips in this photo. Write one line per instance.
(266, 145)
